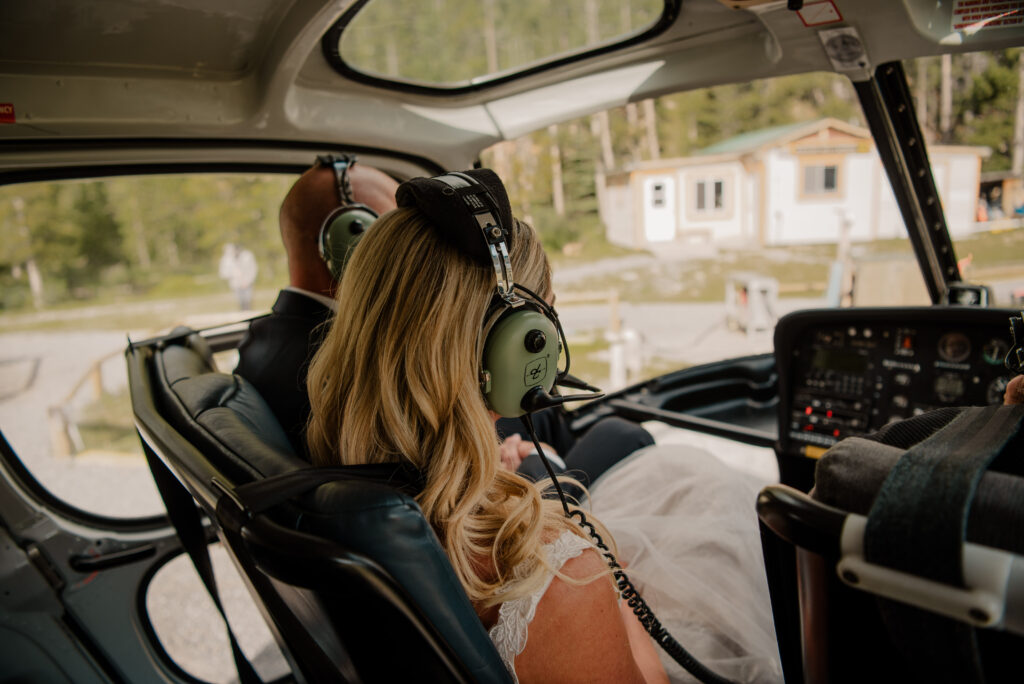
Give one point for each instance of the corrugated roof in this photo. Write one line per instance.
(748, 142)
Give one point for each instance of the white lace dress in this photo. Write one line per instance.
(509, 632)
(685, 524)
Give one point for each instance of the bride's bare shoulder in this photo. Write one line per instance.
(577, 633)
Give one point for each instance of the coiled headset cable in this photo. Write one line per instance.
(626, 589)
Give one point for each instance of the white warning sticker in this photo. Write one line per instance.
(818, 13)
(979, 15)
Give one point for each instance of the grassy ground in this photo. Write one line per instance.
(131, 313)
(801, 270)
(590, 360)
(994, 248)
(104, 424)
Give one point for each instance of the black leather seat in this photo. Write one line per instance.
(349, 574)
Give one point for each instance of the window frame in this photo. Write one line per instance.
(658, 195)
(822, 192)
(331, 47)
(713, 189)
(13, 469)
(36, 494)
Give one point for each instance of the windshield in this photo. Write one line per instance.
(682, 228)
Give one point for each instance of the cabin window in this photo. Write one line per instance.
(87, 264)
(709, 195)
(821, 179)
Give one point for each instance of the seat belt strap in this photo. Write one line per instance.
(262, 495)
(918, 523)
(184, 515)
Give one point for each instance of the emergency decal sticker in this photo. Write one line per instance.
(7, 112)
(819, 13)
(981, 15)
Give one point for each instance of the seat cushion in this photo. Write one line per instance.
(850, 474)
(227, 413)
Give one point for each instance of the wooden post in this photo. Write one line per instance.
(96, 380)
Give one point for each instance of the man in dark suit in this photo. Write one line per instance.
(275, 354)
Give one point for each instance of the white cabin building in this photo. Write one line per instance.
(784, 185)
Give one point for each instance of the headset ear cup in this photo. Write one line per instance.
(520, 353)
(340, 233)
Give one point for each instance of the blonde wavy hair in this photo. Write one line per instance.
(396, 378)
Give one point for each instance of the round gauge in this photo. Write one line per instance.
(949, 387)
(994, 351)
(954, 347)
(996, 390)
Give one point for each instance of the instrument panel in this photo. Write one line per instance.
(851, 371)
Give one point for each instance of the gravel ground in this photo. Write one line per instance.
(105, 483)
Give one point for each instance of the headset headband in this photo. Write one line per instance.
(490, 227)
(340, 163)
(465, 207)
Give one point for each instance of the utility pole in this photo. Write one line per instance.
(1017, 163)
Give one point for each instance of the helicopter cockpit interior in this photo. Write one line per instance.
(801, 226)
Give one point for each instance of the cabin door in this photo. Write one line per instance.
(659, 209)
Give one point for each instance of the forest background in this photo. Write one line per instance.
(141, 237)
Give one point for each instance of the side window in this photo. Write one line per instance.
(820, 179)
(191, 630)
(709, 195)
(84, 266)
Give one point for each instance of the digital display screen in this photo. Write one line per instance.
(839, 360)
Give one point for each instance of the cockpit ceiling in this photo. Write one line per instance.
(256, 69)
(194, 38)
(223, 39)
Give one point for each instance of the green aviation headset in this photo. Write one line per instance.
(521, 337)
(347, 222)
